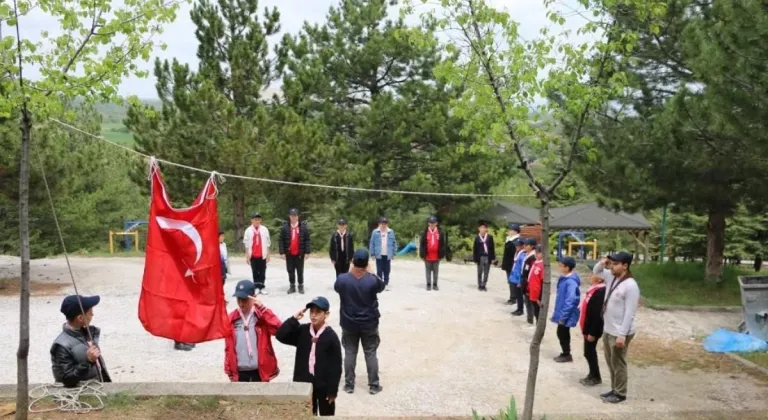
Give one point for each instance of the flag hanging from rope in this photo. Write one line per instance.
(181, 293)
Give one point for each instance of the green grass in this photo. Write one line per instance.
(758, 358)
(677, 283)
(116, 132)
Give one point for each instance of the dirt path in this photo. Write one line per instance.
(442, 353)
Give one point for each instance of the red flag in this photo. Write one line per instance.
(181, 294)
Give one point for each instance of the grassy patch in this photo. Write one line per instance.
(117, 132)
(758, 358)
(676, 283)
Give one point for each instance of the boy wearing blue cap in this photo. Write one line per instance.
(318, 354)
(566, 314)
(75, 354)
(516, 275)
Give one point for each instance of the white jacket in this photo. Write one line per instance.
(266, 242)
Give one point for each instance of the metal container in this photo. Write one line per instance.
(754, 299)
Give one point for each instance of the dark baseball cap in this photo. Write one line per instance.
(530, 241)
(320, 303)
(293, 212)
(245, 289)
(432, 219)
(519, 242)
(383, 220)
(70, 306)
(621, 258)
(360, 258)
(538, 248)
(514, 227)
(568, 262)
(341, 221)
(255, 215)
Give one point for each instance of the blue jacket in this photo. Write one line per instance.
(375, 247)
(567, 302)
(517, 268)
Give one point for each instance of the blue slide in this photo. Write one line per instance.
(411, 247)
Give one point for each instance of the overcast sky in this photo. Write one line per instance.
(182, 44)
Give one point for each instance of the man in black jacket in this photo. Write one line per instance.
(341, 249)
(294, 246)
(508, 260)
(484, 254)
(75, 354)
(432, 249)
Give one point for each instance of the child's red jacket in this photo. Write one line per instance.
(266, 326)
(535, 278)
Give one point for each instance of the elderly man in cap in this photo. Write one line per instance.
(295, 248)
(257, 242)
(432, 249)
(383, 247)
(341, 248)
(358, 291)
(622, 297)
(248, 352)
(75, 354)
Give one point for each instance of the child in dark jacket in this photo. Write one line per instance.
(318, 354)
(566, 314)
(591, 323)
(508, 260)
(484, 254)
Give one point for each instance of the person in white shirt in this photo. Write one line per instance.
(622, 297)
(257, 242)
(224, 258)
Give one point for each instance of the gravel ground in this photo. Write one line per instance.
(442, 353)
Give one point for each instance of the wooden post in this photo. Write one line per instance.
(136, 235)
(647, 247)
(111, 242)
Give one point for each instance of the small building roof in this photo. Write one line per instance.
(514, 213)
(589, 216)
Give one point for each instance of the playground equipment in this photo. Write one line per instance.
(410, 247)
(132, 226)
(577, 235)
(754, 299)
(583, 244)
(112, 235)
(131, 235)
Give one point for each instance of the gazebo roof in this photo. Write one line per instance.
(588, 216)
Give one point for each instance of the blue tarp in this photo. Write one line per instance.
(411, 247)
(727, 341)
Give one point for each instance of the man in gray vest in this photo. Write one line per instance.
(75, 353)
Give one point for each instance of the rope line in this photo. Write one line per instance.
(281, 182)
(69, 400)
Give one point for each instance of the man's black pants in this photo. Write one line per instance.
(564, 335)
(590, 353)
(259, 271)
(341, 267)
(351, 340)
(248, 376)
(295, 266)
(320, 404)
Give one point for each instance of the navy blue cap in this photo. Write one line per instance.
(245, 289)
(530, 241)
(519, 242)
(538, 248)
(621, 258)
(383, 220)
(255, 215)
(70, 306)
(568, 262)
(320, 303)
(293, 212)
(514, 227)
(341, 221)
(432, 219)
(360, 258)
(482, 223)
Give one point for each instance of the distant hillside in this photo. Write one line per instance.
(115, 113)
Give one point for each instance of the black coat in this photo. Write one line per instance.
(477, 249)
(508, 260)
(527, 265)
(327, 355)
(334, 249)
(443, 250)
(593, 317)
(284, 242)
(69, 361)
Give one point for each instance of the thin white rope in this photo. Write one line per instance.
(281, 182)
(68, 400)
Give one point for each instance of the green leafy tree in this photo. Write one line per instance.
(93, 47)
(504, 73)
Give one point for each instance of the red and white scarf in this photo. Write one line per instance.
(587, 297)
(315, 337)
(246, 328)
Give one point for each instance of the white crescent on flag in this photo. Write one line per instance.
(187, 229)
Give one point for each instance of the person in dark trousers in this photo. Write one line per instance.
(530, 258)
(341, 248)
(75, 353)
(591, 323)
(257, 241)
(295, 248)
(248, 352)
(516, 275)
(566, 314)
(535, 282)
(383, 246)
(433, 247)
(318, 354)
(484, 254)
(508, 260)
(758, 263)
(358, 291)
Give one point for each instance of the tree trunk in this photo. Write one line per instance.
(715, 245)
(238, 212)
(541, 323)
(22, 378)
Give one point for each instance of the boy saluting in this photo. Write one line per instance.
(318, 354)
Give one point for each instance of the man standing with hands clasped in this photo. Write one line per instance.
(433, 247)
(295, 248)
(341, 248)
(621, 300)
(257, 242)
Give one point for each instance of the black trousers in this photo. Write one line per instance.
(351, 341)
(511, 287)
(519, 297)
(341, 267)
(564, 335)
(590, 353)
(259, 271)
(320, 404)
(536, 309)
(295, 266)
(248, 376)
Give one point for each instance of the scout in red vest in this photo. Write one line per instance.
(433, 248)
(295, 248)
(257, 242)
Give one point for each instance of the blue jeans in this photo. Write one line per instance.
(383, 266)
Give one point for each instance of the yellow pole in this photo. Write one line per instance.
(595, 241)
(136, 235)
(111, 245)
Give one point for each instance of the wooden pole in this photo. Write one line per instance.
(136, 235)
(111, 242)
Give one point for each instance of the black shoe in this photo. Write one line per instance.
(530, 321)
(183, 346)
(614, 399)
(518, 313)
(301, 289)
(480, 288)
(564, 358)
(590, 381)
(429, 287)
(292, 289)
(485, 289)
(607, 394)
(511, 302)
(349, 389)
(373, 390)
(435, 288)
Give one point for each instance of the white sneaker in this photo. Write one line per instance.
(263, 292)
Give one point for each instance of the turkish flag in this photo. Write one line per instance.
(181, 293)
